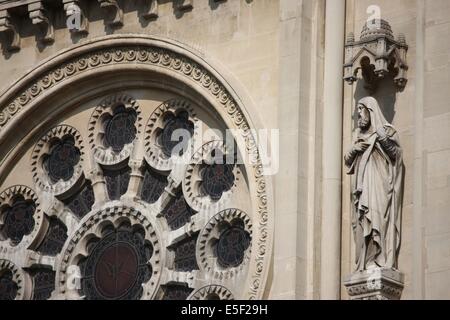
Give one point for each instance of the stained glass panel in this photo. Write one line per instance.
(120, 129)
(62, 159)
(231, 246)
(116, 267)
(8, 288)
(81, 203)
(177, 130)
(185, 259)
(153, 185)
(54, 239)
(117, 182)
(18, 219)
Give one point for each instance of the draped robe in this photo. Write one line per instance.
(377, 186)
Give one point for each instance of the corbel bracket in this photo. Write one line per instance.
(40, 16)
(7, 26)
(153, 10)
(76, 17)
(113, 7)
(187, 5)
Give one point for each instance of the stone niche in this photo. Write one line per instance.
(377, 63)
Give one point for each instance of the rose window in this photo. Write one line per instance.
(111, 215)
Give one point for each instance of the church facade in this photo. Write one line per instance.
(224, 149)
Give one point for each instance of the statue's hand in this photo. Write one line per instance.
(361, 146)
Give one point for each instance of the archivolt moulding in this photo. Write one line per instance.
(139, 55)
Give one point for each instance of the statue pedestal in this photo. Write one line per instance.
(375, 284)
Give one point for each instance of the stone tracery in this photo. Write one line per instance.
(198, 210)
(119, 257)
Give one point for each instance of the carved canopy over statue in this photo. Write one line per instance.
(376, 166)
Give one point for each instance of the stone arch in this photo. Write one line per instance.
(84, 72)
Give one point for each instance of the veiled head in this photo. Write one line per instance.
(370, 117)
(363, 117)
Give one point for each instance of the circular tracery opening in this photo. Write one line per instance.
(8, 288)
(217, 179)
(59, 163)
(117, 265)
(18, 219)
(233, 241)
(177, 131)
(120, 128)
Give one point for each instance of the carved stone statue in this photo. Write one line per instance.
(375, 161)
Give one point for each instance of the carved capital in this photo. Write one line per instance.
(76, 17)
(40, 16)
(7, 26)
(113, 7)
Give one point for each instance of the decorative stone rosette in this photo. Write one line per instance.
(196, 186)
(227, 233)
(174, 114)
(57, 160)
(25, 220)
(114, 127)
(92, 230)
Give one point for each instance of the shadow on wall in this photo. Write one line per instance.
(385, 94)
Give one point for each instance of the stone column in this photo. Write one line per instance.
(330, 276)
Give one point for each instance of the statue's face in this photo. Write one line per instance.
(363, 117)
